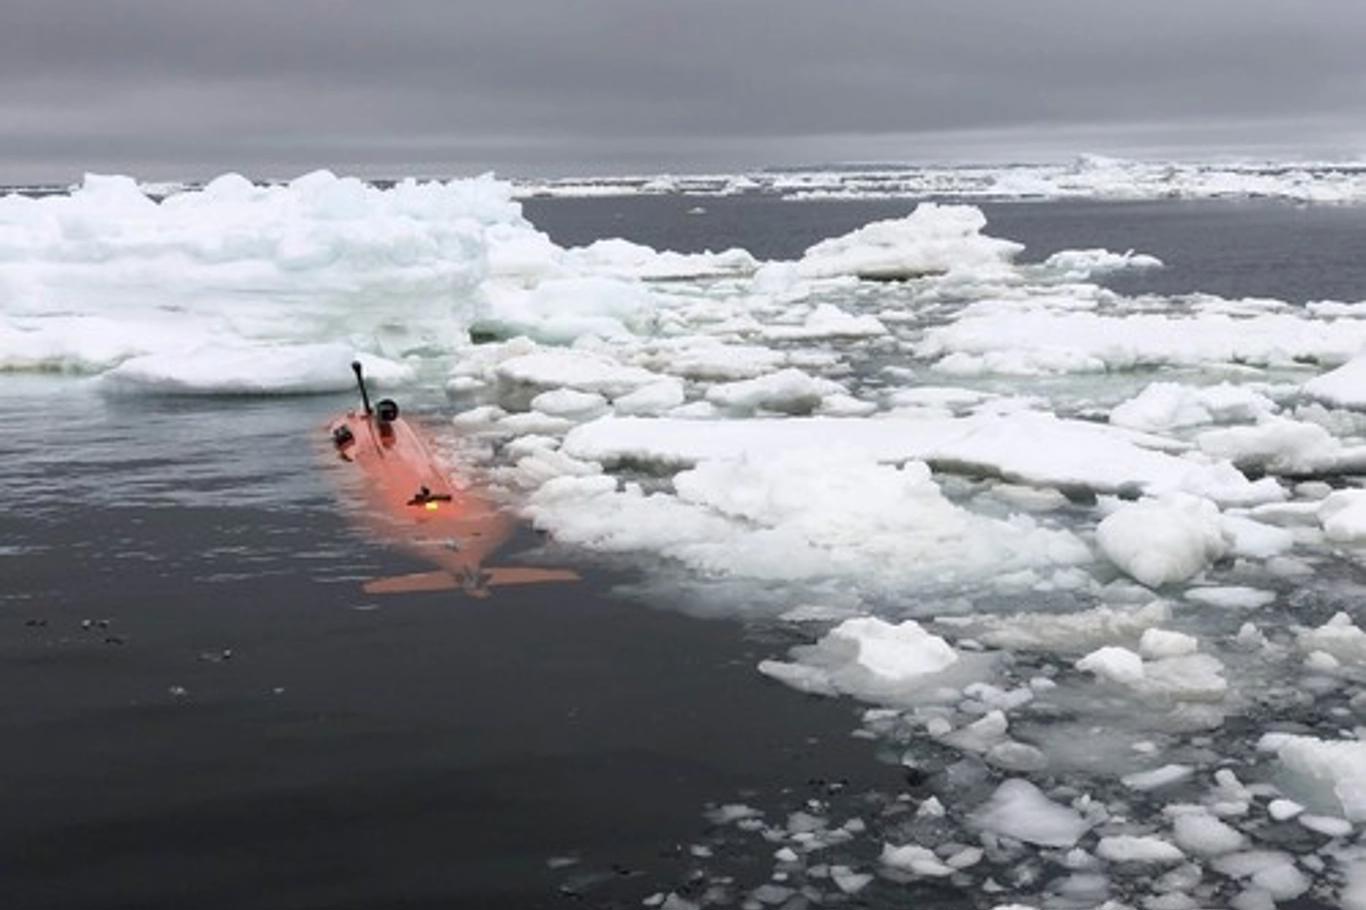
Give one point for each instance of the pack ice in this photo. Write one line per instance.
(1090, 563)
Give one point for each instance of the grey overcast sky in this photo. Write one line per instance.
(183, 89)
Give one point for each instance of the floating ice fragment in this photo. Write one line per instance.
(1344, 387)
(1326, 825)
(811, 680)
(1281, 446)
(1325, 774)
(1125, 848)
(1231, 596)
(1169, 406)
(1254, 539)
(731, 812)
(848, 881)
(914, 859)
(622, 259)
(931, 807)
(1157, 643)
(800, 515)
(1114, 663)
(581, 370)
(1202, 833)
(1158, 777)
(1321, 662)
(827, 321)
(932, 239)
(570, 404)
(650, 400)
(1283, 809)
(1020, 810)
(1343, 516)
(1037, 449)
(1016, 756)
(1269, 870)
(1339, 637)
(256, 370)
(1062, 632)
(560, 310)
(1159, 542)
(788, 391)
(1078, 265)
(985, 339)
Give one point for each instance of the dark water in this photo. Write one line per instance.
(200, 709)
(1234, 248)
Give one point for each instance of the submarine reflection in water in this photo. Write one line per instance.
(410, 501)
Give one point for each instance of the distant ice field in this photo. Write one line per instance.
(1230, 247)
(1067, 496)
(1084, 177)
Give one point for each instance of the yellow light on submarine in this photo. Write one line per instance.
(431, 506)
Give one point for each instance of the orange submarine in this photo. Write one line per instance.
(410, 500)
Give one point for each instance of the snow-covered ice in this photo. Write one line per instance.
(934, 239)
(1159, 542)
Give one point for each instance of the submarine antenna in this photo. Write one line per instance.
(360, 381)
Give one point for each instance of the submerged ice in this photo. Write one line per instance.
(1090, 563)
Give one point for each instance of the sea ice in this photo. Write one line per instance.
(986, 339)
(570, 404)
(320, 259)
(574, 369)
(1159, 542)
(1165, 406)
(915, 859)
(1115, 664)
(622, 259)
(1237, 597)
(1078, 265)
(1123, 848)
(1269, 870)
(1201, 833)
(1281, 446)
(1157, 777)
(1325, 774)
(788, 391)
(1061, 632)
(827, 321)
(895, 653)
(650, 400)
(1343, 516)
(1020, 810)
(803, 514)
(559, 310)
(1158, 643)
(1344, 387)
(931, 240)
(1339, 637)
(1030, 448)
(258, 370)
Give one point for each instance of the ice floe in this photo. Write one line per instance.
(1030, 448)
(1162, 541)
(1171, 406)
(932, 240)
(259, 370)
(806, 513)
(1020, 810)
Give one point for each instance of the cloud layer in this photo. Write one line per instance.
(182, 88)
